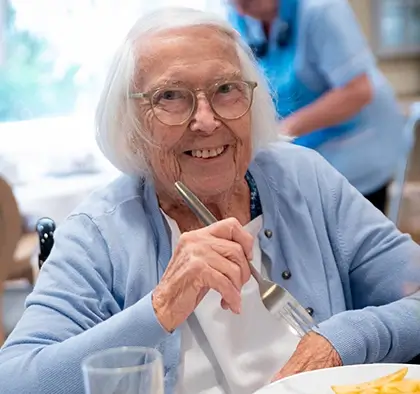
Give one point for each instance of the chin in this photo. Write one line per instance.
(211, 187)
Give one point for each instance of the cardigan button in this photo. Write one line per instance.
(268, 233)
(286, 275)
(310, 311)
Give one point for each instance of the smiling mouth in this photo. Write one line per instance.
(207, 153)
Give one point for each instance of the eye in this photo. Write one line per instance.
(170, 95)
(225, 88)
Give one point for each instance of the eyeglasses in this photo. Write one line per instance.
(174, 106)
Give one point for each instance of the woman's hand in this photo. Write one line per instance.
(313, 352)
(215, 257)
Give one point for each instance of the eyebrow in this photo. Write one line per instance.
(231, 76)
(179, 83)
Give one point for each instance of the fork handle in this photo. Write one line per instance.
(257, 276)
(202, 212)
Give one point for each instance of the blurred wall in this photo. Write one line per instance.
(404, 74)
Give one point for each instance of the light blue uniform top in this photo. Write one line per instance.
(347, 261)
(326, 50)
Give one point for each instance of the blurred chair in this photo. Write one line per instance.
(413, 121)
(16, 247)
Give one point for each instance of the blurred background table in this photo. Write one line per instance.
(56, 197)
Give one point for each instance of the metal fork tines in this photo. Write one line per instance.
(278, 301)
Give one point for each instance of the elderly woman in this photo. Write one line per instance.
(132, 266)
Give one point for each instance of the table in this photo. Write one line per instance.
(57, 197)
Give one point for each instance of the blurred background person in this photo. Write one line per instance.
(329, 93)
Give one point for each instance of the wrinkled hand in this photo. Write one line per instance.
(313, 352)
(215, 257)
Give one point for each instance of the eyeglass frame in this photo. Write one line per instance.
(150, 94)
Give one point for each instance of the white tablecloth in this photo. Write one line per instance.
(58, 197)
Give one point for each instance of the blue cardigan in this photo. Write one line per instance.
(347, 262)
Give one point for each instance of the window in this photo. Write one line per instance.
(396, 25)
(53, 59)
(55, 52)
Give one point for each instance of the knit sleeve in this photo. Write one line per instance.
(71, 314)
(384, 271)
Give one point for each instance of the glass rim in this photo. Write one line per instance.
(120, 370)
(250, 84)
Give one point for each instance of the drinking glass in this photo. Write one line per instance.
(124, 370)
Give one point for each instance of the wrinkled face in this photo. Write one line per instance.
(265, 10)
(207, 153)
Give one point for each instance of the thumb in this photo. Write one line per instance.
(279, 375)
(276, 377)
(287, 370)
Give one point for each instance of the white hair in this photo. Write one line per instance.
(116, 123)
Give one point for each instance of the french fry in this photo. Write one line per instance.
(371, 391)
(372, 385)
(404, 386)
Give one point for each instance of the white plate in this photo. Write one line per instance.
(320, 382)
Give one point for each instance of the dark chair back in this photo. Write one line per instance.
(45, 228)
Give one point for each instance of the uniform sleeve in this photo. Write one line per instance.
(71, 314)
(336, 44)
(383, 268)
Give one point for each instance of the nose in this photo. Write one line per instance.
(204, 120)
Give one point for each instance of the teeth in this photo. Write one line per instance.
(206, 153)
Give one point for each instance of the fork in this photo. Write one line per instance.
(276, 299)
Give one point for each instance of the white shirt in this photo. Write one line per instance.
(226, 353)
